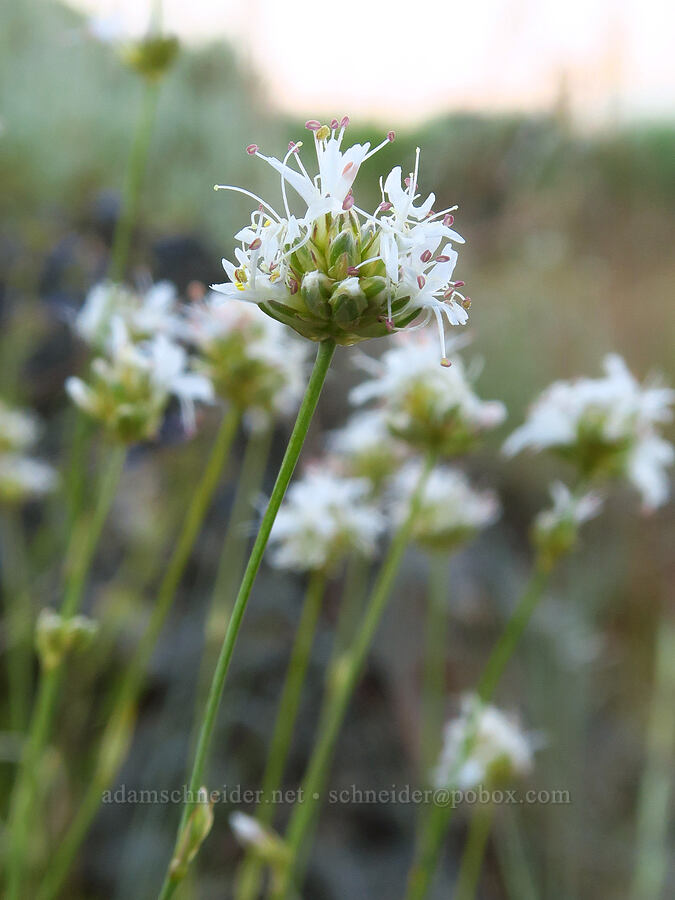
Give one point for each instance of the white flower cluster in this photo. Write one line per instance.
(325, 517)
(555, 530)
(428, 406)
(21, 477)
(130, 386)
(606, 426)
(336, 271)
(365, 448)
(498, 749)
(254, 362)
(145, 313)
(451, 510)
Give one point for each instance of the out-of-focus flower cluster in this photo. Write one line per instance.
(336, 271)
(253, 362)
(451, 511)
(22, 477)
(325, 517)
(431, 408)
(498, 750)
(606, 427)
(150, 347)
(374, 464)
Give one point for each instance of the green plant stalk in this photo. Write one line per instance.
(138, 160)
(113, 742)
(346, 671)
(232, 556)
(656, 789)
(18, 617)
(351, 602)
(435, 824)
(515, 867)
(474, 851)
(249, 878)
(433, 679)
(324, 356)
(81, 550)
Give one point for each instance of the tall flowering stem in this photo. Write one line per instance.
(474, 851)
(322, 363)
(81, 550)
(657, 783)
(435, 825)
(343, 680)
(248, 882)
(134, 180)
(118, 729)
(433, 679)
(18, 615)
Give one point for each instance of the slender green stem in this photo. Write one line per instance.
(346, 672)
(474, 851)
(82, 547)
(351, 602)
(250, 875)
(434, 826)
(433, 680)
(515, 867)
(297, 439)
(18, 617)
(232, 556)
(134, 179)
(117, 732)
(657, 782)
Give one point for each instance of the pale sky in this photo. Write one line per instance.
(408, 59)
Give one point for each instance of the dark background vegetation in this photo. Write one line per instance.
(568, 256)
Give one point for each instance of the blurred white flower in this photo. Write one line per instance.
(130, 387)
(252, 360)
(427, 405)
(568, 508)
(324, 517)
(336, 271)
(451, 510)
(555, 530)
(19, 428)
(145, 313)
(365, 448)
(23, 478)
(248, 831)
(606, 426)
(498, 750)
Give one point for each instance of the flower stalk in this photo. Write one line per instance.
(436, 823)
(82, 547)
(117, 733)
(342, 682)
(324, 356)
(250, 875)
(657, 782)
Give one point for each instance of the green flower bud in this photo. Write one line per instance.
(193, 836)
(55, 636)
(316, 290)
(348, 302)
(152, 56)
(343, 254)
